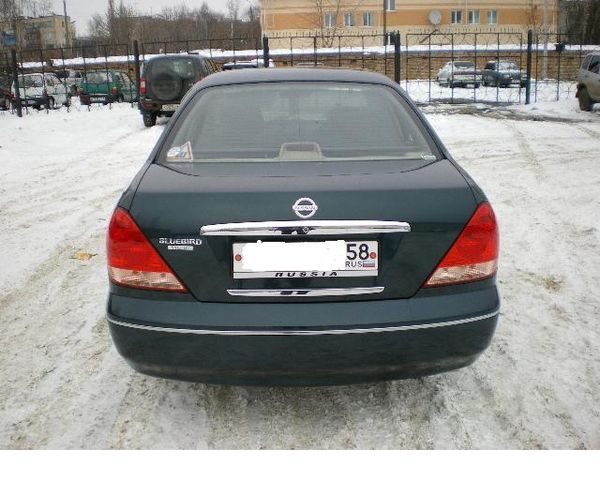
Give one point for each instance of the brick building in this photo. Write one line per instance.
(283, 18)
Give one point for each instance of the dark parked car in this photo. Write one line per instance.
(588, 81)
(503, 74)
(166, 79)
(6, 96)
(107, 87)
(301, 226)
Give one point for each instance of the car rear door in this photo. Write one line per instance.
(593, 78)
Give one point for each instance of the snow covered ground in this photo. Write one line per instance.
(63, 385)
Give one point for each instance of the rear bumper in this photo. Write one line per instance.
(466, 79)
(33, 101)
(87, 99)
(158, 107)
(341, 343)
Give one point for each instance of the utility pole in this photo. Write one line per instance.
(385, 22)
(67, 26)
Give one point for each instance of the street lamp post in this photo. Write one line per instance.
(384, 22)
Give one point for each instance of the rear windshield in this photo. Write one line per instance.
(183, 67)
(97, 77)
(297, 122)
(464, 65)
(32, 81)
(508, 66)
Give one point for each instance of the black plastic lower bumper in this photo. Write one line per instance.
(321, 359)
(305, 343)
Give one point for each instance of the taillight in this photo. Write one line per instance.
(143, 86)
(133, 261)
(474, 254)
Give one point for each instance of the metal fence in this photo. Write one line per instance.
(549, 63)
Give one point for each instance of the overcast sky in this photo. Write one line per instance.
(82, 10)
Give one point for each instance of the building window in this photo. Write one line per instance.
(390, 5)
(492, 17)
(473, 17)
(329, 20)
(368, 19)
(456, 17)
(348, 19)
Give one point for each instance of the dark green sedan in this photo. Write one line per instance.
(301, 227)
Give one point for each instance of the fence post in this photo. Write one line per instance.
(68, 92)
(528, 81)
(136, 59)
(13, 54)
(397, 56)
(265, 51)
(45, 92)
(315, 50)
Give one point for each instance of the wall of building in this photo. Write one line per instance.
(41, 32)
(281, 18)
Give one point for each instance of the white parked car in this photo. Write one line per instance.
(41, 90)
(72, 79)
(588, 81)
(459, 74)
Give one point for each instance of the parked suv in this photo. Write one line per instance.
(503, 73)
(166, 79)
(588, 81)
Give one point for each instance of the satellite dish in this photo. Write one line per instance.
(435, 17)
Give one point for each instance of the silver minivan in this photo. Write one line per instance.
(41, 90)
(588, 81)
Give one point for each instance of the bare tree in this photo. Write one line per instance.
(581, 20)
(122, 23)
(332, 9)
(9, 9)
(233, 10)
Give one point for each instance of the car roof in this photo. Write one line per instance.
(266, 75)
(175, 55)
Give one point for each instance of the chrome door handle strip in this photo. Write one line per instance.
(305, 292)
(305, 227)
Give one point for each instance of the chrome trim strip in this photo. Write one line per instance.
(304, 227)
(306, 292)
(398, 328)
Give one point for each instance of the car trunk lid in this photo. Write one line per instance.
(171, 208)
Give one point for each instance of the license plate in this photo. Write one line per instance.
(338, 258)
(169, 107)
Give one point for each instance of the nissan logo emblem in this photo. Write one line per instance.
(305, 207)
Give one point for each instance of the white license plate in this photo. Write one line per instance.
(337, 258)
(171, 107)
